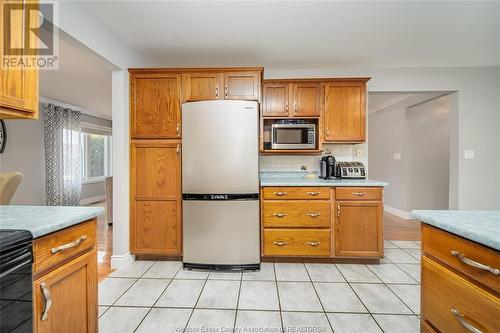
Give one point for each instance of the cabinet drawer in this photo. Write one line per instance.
(286, 193)
(63, 245)
(358, 193)
(449, 302)
(296, 242)
(458, 253)
(300, 214)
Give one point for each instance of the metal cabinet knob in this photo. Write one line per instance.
(280, 243)
(313, 243)
(280, 194)
(279, 214)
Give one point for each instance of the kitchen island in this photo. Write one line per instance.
(460, 270)
(64, 269)
(308, 219)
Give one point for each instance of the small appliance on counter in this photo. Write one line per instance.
(327, 167)
(350, 170)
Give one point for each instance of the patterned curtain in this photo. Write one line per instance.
(62, 156)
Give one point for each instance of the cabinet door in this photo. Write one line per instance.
(155, 105)
(345, 118)
(19, 86)
(306, 99)
(358, 227)
(275, 100)
(65, 300)
(155, 197)
(201, 86)
(242, 85)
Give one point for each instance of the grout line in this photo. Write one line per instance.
(196, 303)
(319, 298)
(279, 298)
(237, 303)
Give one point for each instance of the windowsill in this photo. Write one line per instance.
(93, 180)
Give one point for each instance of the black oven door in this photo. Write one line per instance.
(16, 305)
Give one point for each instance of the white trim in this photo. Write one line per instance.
(104, 129)
(398, 212)
(91, 200)
(118, 261)
(93, 180)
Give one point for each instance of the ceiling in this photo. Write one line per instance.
(387, 101)
(307, 34)
(81, 80)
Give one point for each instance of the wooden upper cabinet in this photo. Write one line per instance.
(155, 105)
(155, 197)
(358, 226)
(72, 289)
(201, 86)
(275, 100)
(242, 85)
(18, 85)
(345, 111)
(307, 98)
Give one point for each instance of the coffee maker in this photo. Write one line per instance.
(327, 167)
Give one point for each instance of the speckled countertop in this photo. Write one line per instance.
(298, 178)
(480, 226)
(43, 220)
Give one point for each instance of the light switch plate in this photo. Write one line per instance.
(396, 156)
(469, 154)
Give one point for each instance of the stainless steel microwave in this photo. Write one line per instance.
(293, 136)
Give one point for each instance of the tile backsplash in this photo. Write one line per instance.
(342, 152)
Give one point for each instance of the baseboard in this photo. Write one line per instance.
(118, 261)
(91, 200)
(398, 212)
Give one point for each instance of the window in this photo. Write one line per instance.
(96, 153)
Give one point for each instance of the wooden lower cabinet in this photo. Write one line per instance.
(65, 300)
(458, 298)
(358, 229)
(309, 222)
(156, 198)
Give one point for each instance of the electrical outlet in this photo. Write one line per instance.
(396, 156)
(359, 152)
(469, 154)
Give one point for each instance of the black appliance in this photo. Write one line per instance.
(16, 300)
(327, 167)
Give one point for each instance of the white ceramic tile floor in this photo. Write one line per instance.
(162, 297)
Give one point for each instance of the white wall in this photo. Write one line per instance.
(478, 119)
(25, 153)
(420, 134)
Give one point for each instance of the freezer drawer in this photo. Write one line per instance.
(221, 232)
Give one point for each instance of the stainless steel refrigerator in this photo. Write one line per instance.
(220, 185)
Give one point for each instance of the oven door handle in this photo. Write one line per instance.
(10, 270)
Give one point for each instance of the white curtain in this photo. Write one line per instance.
(63, 160)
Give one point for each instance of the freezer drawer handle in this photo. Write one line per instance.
(279, 214)
(465, 323)
(280, 243)
(314, 243)
(280, 194)
(313, 193)
(313, 214)
(470, 262)
(69, 245)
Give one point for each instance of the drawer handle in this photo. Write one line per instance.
(280, 243)
(48, 300)
(313, 243)
(280, 194)
(279, 214)
(465, 323)
(69, 245)
(470, 262)
(313, 193)
(338, 209)
(359, 194)
(313, 214)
